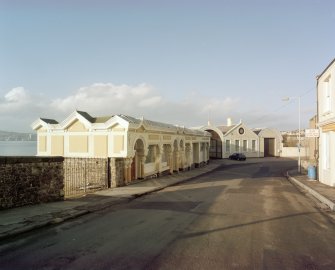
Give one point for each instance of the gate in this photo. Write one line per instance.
(269, 147)
(84, 175)
(215, 149)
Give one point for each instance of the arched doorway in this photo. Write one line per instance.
(137, 167)
(215, 149)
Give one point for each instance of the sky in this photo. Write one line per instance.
(179, 62)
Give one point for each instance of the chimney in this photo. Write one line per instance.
(229, 122)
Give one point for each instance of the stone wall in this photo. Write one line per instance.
(30, 180)
(33, 180)
(116, 172)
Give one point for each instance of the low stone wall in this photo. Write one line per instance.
(30, 180)
(33, 180)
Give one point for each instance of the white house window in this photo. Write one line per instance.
(228, 146)
(253, 145)
(327, 95)
(237, 145)
(326, 152)
(245, 145)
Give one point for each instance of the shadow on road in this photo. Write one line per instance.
(196, 234)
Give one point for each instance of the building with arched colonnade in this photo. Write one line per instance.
(146, 148)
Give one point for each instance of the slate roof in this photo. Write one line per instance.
(146, 122)
(49, 121)
(225, 129)
(154, 125)
(331, 63)
(257, 131)
(86, 116)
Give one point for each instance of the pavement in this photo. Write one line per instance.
(19, 220)
(321, 192)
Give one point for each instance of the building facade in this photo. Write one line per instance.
(270, 142)
(326, 124)
(232, 138)
(146, 147)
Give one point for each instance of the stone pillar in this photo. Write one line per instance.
(127, 170)
(142, 161)
(187, 156)
(176, 161)
(171, 163)
(182, 160)
(158, 159)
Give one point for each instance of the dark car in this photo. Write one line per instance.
(237, 156)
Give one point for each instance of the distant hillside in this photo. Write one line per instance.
(16, 136)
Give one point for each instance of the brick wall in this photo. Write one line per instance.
(30, 180)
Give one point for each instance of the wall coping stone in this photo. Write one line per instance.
(29, 159)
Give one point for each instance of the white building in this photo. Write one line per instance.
(270, 142)
(232, 138)
(326, 123)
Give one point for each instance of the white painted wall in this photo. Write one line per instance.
(293, 152)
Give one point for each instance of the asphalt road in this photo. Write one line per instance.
(244, 215)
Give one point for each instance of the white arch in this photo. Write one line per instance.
(270, 133)
(215, 129)
(133, 142)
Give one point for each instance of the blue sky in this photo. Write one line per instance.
(179, 62)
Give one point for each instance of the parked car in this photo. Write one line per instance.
(237, 156)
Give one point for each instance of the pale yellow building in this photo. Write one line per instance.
(147, 147)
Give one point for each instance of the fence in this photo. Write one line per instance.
(85, 175)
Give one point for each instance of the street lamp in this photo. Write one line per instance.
(299, 138)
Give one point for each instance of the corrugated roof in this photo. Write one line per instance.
(149, 123)
(129, 119)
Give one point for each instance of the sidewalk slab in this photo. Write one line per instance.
(23, 219)
(322, 192)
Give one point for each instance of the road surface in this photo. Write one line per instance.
(243, 215)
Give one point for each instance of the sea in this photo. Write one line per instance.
(18, 148)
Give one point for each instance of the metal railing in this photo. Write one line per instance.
(84, 175)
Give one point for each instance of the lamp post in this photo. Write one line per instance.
(299, 137)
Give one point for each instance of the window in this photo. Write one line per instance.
(228, 146)
(245, 145)
(326, 152)
(237, 145)
(253, 145)
(327, 95)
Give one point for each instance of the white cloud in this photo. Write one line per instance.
(17, 95)
(109, 98)
(19, 108)
(150, 102)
